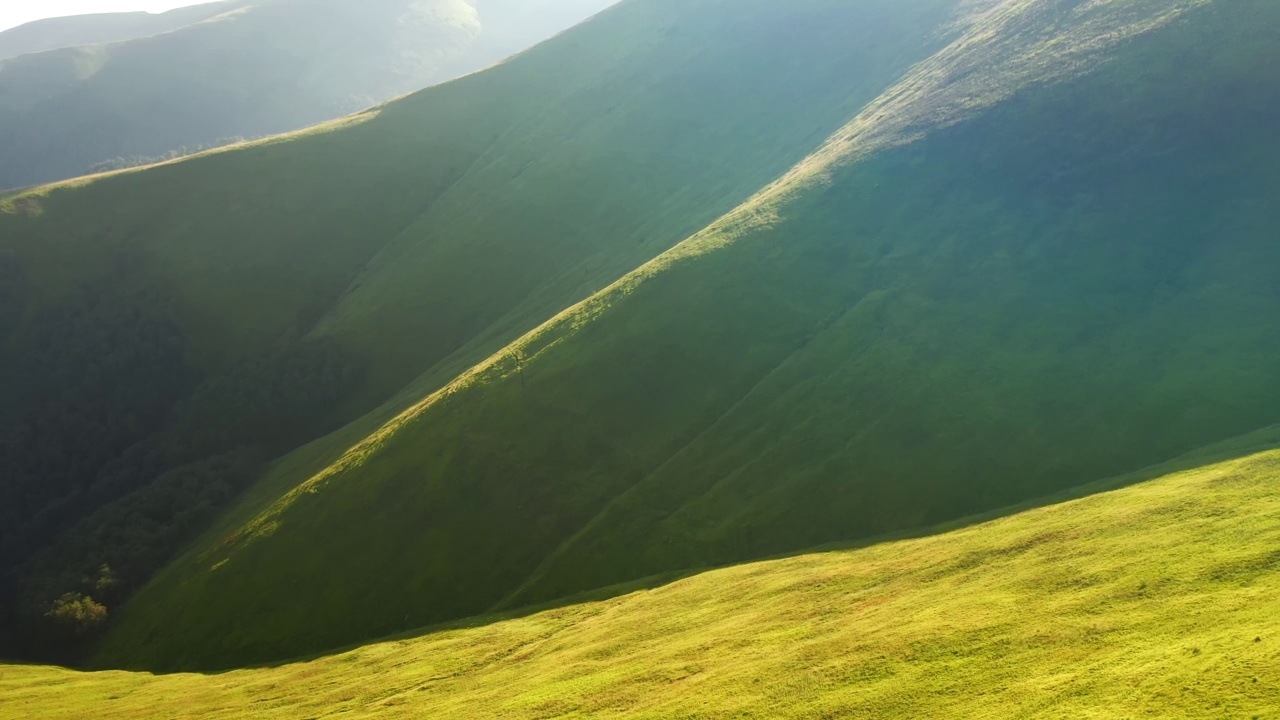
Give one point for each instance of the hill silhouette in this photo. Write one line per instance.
(104, 92)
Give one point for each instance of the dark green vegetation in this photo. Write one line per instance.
(116, 451)
(1037, 250)
(116, 91)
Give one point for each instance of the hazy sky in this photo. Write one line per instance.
(17, 12)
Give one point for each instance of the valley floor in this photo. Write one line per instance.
(1157, 600)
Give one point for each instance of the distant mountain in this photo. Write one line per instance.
(123, 90)
(98, 29)
(692, 284)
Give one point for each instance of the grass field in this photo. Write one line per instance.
(1160, 600)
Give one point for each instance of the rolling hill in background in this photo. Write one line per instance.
(101, 92)
(1124, 604)
(693, 284)
(427, 235)
(99, 28)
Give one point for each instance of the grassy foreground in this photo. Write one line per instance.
(1156, 600)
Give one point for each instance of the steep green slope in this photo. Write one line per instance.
(250, 70)
(1044, 256)
(391, 251)
(1159, 600)
(1076, 283)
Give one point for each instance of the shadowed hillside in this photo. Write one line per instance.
(1158, 600)
(1042, 255)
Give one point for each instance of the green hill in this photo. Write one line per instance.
(1159, 600)
(693, 284)
(283, 288)
(138, 88)
(1003, 277)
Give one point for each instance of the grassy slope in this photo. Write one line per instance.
(1008, 306)
(459, 181)
(1075, 284)
(1157, 600)
(485, 205)
(680, 119)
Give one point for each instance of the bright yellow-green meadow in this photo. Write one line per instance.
(1158, 600)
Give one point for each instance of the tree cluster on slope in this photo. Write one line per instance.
(122, 453)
